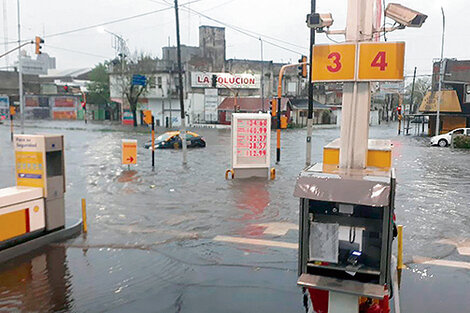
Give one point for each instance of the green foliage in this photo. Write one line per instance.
(98, 88)
(462, 141)
(422, 86)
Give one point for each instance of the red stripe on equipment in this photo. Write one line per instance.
(28, 227)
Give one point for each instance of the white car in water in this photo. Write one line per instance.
(444, 139)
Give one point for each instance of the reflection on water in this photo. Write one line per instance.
(36, 283)
(149, 246)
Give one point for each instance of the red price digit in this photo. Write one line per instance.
(335, 57)
(380, 61)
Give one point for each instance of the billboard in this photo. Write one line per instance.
(224, 80)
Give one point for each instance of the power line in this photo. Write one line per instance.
(77, 51)
(112, 21)
(245, 32)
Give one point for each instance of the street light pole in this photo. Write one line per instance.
(20, 70)
(180, 80)
(308, 160)
(262, 75)
(441, 75)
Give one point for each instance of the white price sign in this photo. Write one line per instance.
(251, 135)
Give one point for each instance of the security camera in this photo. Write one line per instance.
(317, 20)
(405, 16)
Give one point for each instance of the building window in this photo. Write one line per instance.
(151, 82)
(159, 82)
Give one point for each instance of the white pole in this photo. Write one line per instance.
(356, 95)
(262, 76)
(20, 70)
(441, 75)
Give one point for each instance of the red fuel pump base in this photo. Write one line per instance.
(320, 298)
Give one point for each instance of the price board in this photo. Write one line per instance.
(251, 137)
(381, 61)
(334, 63)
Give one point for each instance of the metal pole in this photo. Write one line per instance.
(11, 123)
(308, 159)
(153, 142)
(356, 95)
(441, 75)
(262, 75)
(20, 70)
(180, 78)
(278, 146)
(412, 107)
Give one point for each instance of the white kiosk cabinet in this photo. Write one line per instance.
(21, 214)
(251, 148)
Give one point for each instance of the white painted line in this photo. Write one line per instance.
(257, 242)
(448, 263)
(462, 245)
(278, 228)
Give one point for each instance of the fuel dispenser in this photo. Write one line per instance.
(346, 224)
(40, 163)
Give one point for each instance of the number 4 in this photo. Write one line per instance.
(380, 61)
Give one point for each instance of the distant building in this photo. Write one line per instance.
(454, 108)
(234, 76)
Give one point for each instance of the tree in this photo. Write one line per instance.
(139, 64)
(98, 88)
(422, 86)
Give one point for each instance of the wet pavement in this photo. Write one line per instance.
(151, 248)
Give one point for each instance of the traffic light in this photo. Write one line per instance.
(66, 88)
(214, 81)
(303, 67)
(399, 109)
(273, 103)
(38, 41)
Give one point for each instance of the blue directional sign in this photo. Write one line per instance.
(139, 80)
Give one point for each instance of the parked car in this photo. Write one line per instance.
(172, 140)
(444, 139)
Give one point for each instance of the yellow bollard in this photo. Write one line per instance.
(85, 227)
(229, 171)
(273, 173)
(400, 265)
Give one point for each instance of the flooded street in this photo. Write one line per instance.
(150, 245)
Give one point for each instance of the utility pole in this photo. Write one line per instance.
(308, 160)
(5, 31)
(262, 76)
(20, 70)
(412, 107)
(180, 80)
(441, 75)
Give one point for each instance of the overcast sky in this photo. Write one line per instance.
(278, 21)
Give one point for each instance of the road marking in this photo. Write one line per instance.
(448, 263)
(257, 242)
(462, 245)
(278, 228)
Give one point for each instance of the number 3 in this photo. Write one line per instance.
(337, 57)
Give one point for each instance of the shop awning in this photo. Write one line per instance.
(449, 102)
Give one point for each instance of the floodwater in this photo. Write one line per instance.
(150, 246)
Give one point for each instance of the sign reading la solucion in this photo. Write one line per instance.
(235, 81)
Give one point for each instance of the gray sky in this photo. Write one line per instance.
(282, 20)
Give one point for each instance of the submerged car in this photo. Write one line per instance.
(172, 140)
(445, 139)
